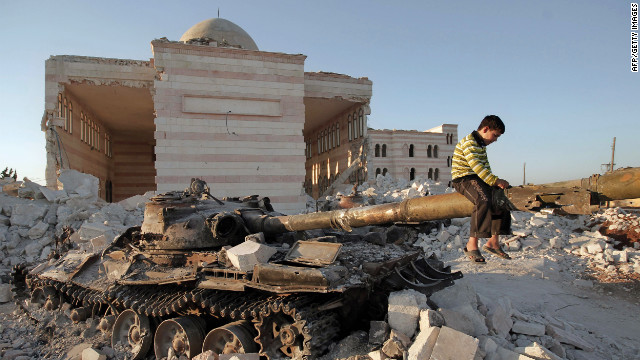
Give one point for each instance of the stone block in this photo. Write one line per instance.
(457, 321)
(506, 354)
(89, 231)
(76, 352)
(595, 246)
(247, 254)
(459, 294)
(536, 221)
(93, 354)
(79, 184)
(404, 310)
(452, 344)
(27, 214)
(38, 230)
(5, 293)
(396, 345)
(430, 318)
(99, 243)
(499, 319)
(423, 344)
(528, 328)
(377, 355)
(567, 337)
(537, 352)
(378, 332)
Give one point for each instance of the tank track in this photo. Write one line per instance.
(312, 331)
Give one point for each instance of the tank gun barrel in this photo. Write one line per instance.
(573, 197)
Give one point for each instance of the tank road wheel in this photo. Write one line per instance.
(179, 336)
(132, 331)
(280, 334)
(234, 338)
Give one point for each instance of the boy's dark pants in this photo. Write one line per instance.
(485, 220)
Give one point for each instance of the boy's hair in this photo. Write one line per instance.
(493, 122)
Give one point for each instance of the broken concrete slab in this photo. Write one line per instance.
(38, 230)
(247, 254)
(459, 294)
(27, 215)
(77, 184)
(457, 321)
(378, 332)
(424, 343)
(404, 310)
(537, 352)
(528, 328)
(93, 354)
(430, 318)
(453, 344)
(567, 337)
(396, 345)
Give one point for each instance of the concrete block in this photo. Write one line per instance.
(506, 354)
(38, 230)
(27, 214)
(461, 293)
(457, 321)
(567, 337)
(378, 332)
(99, 243)
(430, 318)
(595, 246)
(404, 310)
(80, 184)
(93, 354)
(452, 344)
(499, 319)
(247, 254)
(537, 352)
(528, 328)
(377, 355)
(396, 345)
(76, 352)
(423, 344)
(5, 293)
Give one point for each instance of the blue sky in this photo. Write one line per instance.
(557, 72)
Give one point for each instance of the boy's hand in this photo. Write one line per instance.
(502, 184)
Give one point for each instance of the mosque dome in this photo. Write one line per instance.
(221, 30)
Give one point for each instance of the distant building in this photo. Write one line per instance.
(409, 153)
(215, 107)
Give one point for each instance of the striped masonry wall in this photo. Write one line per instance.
(257, 148)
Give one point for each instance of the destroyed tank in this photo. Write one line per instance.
(231, 276)
(234, 276)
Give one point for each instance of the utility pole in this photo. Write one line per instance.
(613, 152)
(524, 174)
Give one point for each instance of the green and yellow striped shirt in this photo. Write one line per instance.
(470, 158)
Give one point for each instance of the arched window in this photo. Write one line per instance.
(377, 151)
(65, 111)
(412, 174)
(59, 105)
(436, 174)
(411, 151)
(356, 125)
(448, 161)
(384, 150)
(429, 151)
(384, 172)
(319, 148)
(377, 172)
(361, 121)
(350, 128)
(435, 151)
(69, 122)
(338, 134)
(430, 175)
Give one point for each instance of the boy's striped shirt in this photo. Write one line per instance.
(470, 158)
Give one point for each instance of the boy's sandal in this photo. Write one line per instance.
(474, 256)
(497, 252)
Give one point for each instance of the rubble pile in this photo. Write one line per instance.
(455, 323)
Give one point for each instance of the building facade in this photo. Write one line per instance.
(210, 106)
(409, 154)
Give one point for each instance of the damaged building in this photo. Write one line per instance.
(213, 106)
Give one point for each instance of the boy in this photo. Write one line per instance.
(472, 177)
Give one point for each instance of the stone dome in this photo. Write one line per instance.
(221, 30)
